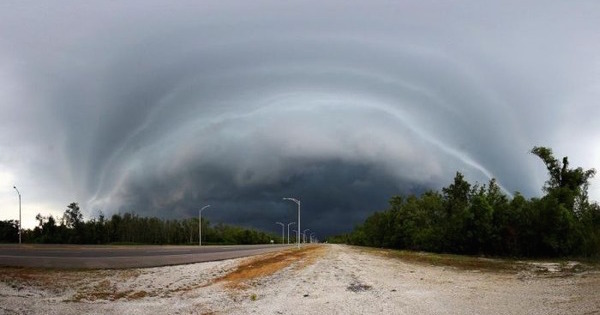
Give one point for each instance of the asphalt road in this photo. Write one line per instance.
(113, 257)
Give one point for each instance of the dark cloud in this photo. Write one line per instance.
(331, 192)
(160, 109)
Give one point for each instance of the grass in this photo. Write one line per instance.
(481, 263)
(459, 261)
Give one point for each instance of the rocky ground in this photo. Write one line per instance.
(325, 279)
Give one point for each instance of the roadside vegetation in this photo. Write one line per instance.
(556, 267)
(480, 219)
(128, 228)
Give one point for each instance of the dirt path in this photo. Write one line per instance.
(351, 281)
(329, 279)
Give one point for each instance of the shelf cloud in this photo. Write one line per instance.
(160, 109)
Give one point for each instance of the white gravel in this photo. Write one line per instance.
(344, 281)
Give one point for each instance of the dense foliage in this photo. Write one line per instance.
(129, 229)
(480, 219)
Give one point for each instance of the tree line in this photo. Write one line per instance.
(467, 218)
(129, 228)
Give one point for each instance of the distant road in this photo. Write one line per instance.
(105, 256)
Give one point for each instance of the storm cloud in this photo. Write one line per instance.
(161, 107)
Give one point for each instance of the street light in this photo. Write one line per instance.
(298, 203)
(200, 225)
(282, 231)
(15, 187)
(304, 234)
(289, 231)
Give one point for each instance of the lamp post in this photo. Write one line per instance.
(289, 231)
(298, 203)
(304, 234)
(282, 232)
(200, 225)
(15, 187)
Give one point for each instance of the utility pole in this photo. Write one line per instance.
(289, 231)
(200, 225)
(304, 234)
(282, 232)
(20, 230)
(298, 203)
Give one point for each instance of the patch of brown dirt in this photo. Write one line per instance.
(102, 290)
(60, 280)
(269, 264)
(45, 279)
(106, 290)
(138, 295)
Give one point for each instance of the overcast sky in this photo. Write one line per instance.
(163, 107)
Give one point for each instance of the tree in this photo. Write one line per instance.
(9, 231)
(567, 184)
(72, 216)
(590, 221)
(456, 200)
(49, 229)
(478, 224)
(457, 194)
(480, 219)
(40, 219)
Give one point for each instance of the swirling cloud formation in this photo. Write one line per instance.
(160, 108)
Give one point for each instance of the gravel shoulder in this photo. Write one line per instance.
(325, 279)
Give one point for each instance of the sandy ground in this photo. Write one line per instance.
(327, 279)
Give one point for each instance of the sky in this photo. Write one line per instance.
(162, 107)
